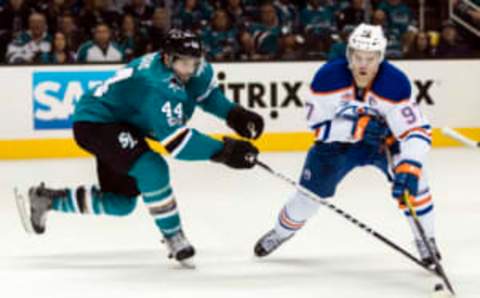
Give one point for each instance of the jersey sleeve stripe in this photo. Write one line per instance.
(174, 143)
(322, 130)
(320, 124)
(421, 137)
(185, 139)
(417, 130)
(173, 135)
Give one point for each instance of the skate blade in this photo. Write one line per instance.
(187, 264)
(23, 207)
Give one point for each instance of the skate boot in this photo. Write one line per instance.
(424, 254)
(269, 242)
(33, 210)
(180, 249)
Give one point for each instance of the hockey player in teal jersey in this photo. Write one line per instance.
(152, 97)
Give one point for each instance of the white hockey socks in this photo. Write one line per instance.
(298, 209)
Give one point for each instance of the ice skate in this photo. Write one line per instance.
(34, 208)
(424, 254)
(269, 242)
(180, 249)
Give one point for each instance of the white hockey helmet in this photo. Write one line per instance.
(368, 38)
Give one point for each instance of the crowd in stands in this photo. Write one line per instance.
(69, 31)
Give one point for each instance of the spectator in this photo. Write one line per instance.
(119, 5)
(101, 48)
(247, 47)
(317, 19)
(14, 17)
(132, 38)
(141, 11)
(339, 5)
(237, 14)
(339, 48)
(394, 36)
(220, 38)
(450, 45)
(317, 48)
(353, 15)
(420, 49)
(158, 31)
(31, 43)
(192, 14)
(98, 12)
(40, 6)
(267, 32)
(13, 20)
(251, 7)
(290, 47)
(60, 53)
(287, 13)
(74, 37)
(53, 10)
(400, 16)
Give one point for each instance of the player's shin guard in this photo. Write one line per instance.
(162, 206)
(292, 217)
(294, 214)
(79, 200)
(90, 200)
(151, 174)
(423, 206)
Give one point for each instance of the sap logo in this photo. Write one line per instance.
(56, 93)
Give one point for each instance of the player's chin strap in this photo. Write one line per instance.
(438, 266)
(347, 216)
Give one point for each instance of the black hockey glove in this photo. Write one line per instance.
(246, 123)
(237, 154)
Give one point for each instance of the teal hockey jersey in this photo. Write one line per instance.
(147, 95)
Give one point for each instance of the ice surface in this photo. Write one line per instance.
(224, 212)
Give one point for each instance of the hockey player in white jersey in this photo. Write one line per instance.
(362, 113)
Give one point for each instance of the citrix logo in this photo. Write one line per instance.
(423, 88)
(274, 95)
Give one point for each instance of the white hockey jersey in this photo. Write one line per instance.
(333, 106)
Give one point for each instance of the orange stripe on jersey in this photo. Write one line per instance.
(317, 132)
(361, 127)
(408, 168)
(331, 92)
(416, 129)
(396, 102)
(418, 203)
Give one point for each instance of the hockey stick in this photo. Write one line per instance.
(438, 267)
(345, 215)
(461, 138)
